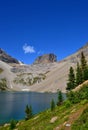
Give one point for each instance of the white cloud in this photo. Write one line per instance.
(28, 49)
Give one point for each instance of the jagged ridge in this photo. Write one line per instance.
(7, 58)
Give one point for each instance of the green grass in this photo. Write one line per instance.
(41, 121)
(82, 122)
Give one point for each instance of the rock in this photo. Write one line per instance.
(64, 123)
(18, 124)
(36, 117)
(5, 125)
(46, 58)
(7, 58)
(57, 128)
(68, 125)
(73, 110)
(53, 119)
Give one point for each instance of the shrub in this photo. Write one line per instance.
(36, 79)
(83, 102)
(13, 124)
(76, 97)
(67, 103)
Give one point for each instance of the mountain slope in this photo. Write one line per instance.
(44, 77)
(7, 58)
(7, 74)
(57, 78)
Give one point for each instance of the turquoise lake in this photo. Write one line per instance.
(12, 104)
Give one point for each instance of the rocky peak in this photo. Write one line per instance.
(1, 51)
(7, 58)
(46, 58)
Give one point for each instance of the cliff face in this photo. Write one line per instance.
(47, 58)
(7, 58)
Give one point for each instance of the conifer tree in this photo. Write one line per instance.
(13, 124)
(71, 79)
(86, 74)
(83, 61)
(28, 112)
(84, 67)
(52, 105)
(60, 98)
(79, 77)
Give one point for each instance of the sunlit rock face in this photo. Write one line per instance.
(46, 58)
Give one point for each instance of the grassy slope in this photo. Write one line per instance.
(82, 122)
(65, 115)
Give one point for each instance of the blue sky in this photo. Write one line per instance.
(29, 28)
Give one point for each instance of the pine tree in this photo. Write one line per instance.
(83, 61)
(28, 112)
(13, 124)
(79, 77)
(84, 67)
(52, 105)
(60, 98)
(86, 73)
(30, 108)
(71, 79)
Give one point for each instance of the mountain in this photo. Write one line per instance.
(46, 58)
(41, 76)
(7, 58)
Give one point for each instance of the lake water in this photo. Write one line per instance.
(12, 104)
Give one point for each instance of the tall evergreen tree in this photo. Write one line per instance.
(28, 112)
(52, 105)
(60, 98)
(86, 74)
(71, 79)
(83, 61)
(84, 67)
(79, 77)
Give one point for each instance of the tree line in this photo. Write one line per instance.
(77, 77)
